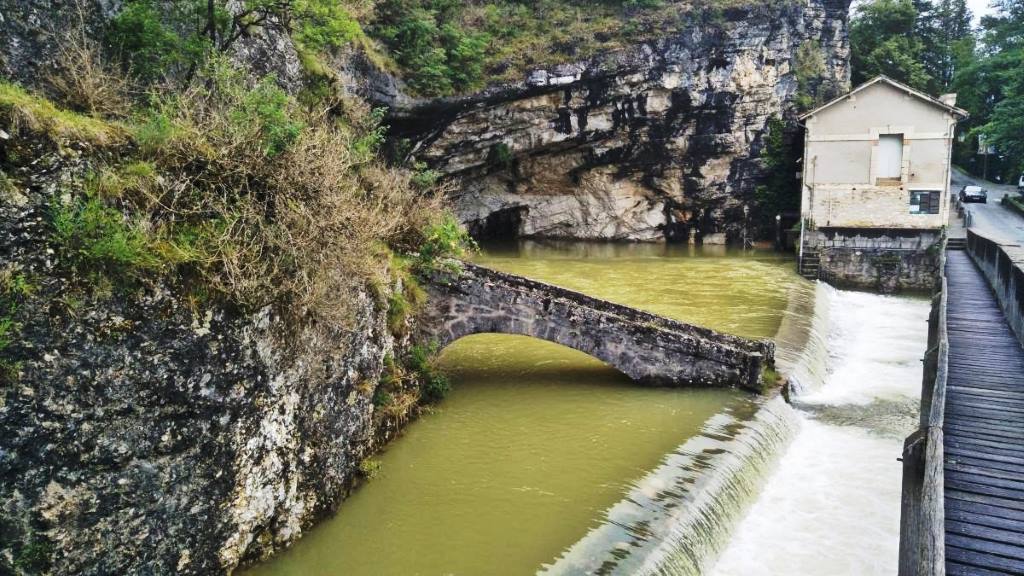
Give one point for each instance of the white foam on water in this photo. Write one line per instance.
(832, 506)
(831, 509)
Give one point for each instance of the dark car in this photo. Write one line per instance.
(974, 194)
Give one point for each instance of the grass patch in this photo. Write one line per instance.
(1014, 203)
(770, 379)
(21, 109)
(97, 239)
(15, 289)
(369, 468)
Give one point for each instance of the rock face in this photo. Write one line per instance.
(648, 348)
(142, 437)
(643, 144)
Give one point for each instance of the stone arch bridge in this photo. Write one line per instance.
(648, 348)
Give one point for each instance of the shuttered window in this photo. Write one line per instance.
(925, 201)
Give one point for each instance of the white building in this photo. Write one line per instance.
(875, 178)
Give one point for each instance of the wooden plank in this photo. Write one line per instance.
(985, 479)
(972, 530)
(982, 463)
(983, 471)
(983, 429)
(1003, 448)
(1016, 496)
(958, 569)
(975, 513)
(983, 560)
(1006, 551)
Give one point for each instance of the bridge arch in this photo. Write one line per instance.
(648, 348)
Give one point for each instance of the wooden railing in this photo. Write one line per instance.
(1002, 264)
(922, 516)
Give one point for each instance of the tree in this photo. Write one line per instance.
(883, 40)
(944, 29)
(990, 85)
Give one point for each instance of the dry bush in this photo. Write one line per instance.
(84, 81)
(308, 223)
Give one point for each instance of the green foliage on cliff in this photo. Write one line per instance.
(229, 187)
(15, 288)
(447, 46)
(422, 360)
(442, 241)
(427, 40)
(809, 69)
(779, 192)
(97, 239)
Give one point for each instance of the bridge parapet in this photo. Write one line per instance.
(649, 348)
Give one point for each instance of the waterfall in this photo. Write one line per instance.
(802, 341)
(856, 392)
(754, 492)
(676, 519)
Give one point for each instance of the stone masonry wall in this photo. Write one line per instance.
(882, 260)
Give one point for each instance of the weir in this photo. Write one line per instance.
(646, 347)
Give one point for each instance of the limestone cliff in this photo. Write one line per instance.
(144, 433)
(642, 144)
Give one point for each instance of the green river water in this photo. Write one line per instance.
(537, 441)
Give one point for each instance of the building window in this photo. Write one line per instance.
(890, 157)
(925, 201)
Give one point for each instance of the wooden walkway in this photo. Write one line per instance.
(983, 430)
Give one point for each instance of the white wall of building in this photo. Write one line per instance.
(857, 175)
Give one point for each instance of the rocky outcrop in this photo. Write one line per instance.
(642, 144)
(141, 433)
(648, 348)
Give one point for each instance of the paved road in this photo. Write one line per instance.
(991, 219)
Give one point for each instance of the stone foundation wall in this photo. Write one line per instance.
(886, 261)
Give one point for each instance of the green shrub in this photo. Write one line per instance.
(422, 360)
(15, 288)
(444, 240)
(500, 155)
(322, 24)
(145, 35)
(369, 468)
(97, 238)
(428, 40)
(382, 398)
(423, 177)
(270, 108)
(34, 557)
